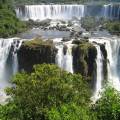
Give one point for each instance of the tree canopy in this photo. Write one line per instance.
(37, 95)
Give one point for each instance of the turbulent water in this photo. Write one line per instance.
(8, 63)
(112, 46)
(17, 45)
(5, 46)
(63, 12)
(65, 61)
(113, 51)
(99, 77)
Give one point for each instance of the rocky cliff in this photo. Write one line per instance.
(34, 52)
(84, 55)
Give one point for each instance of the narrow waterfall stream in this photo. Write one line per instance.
(15, 58)
(65, 61)
(69, 60)
(99, 77)
(59, 56)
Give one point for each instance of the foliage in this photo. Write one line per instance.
(37, 42)
(9, 24)
(108, 107)
(91, 23)
(113, 27)
(70, 112)
(48, 88)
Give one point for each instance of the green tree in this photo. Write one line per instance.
(113, 27)
(108, 107)
(70, 112)
(48, 87)
(9, 23)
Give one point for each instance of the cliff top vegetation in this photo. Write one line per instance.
(37, 42)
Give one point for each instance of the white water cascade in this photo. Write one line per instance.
(59, 56)
(111, 11)
(42, 12)
(106, 10)
(8, 63)
(15, 58)
(67, 12)
(5, 46)
(65, 61)
(99, 77)
(112, 46)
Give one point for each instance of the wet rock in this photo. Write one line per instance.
(65, 49)
(44, 23)
(105, 61)
(65, 39)
(79, 41)
(84, 56)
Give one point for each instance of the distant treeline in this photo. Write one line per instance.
(60, 1)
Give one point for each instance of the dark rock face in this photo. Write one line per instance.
(65, 49)
(28, 57)
(84, 56)
(104, 52)
(81, 41)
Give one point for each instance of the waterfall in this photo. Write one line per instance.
(112, 46)
(17, 45)
(68, 60)
(99, 77)
(113, 51)
(111, 11)
(42, 12)
(8, 63)
(105, 11)
(59, 56)
(5, 46)
(66, 12)
(65, 61)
